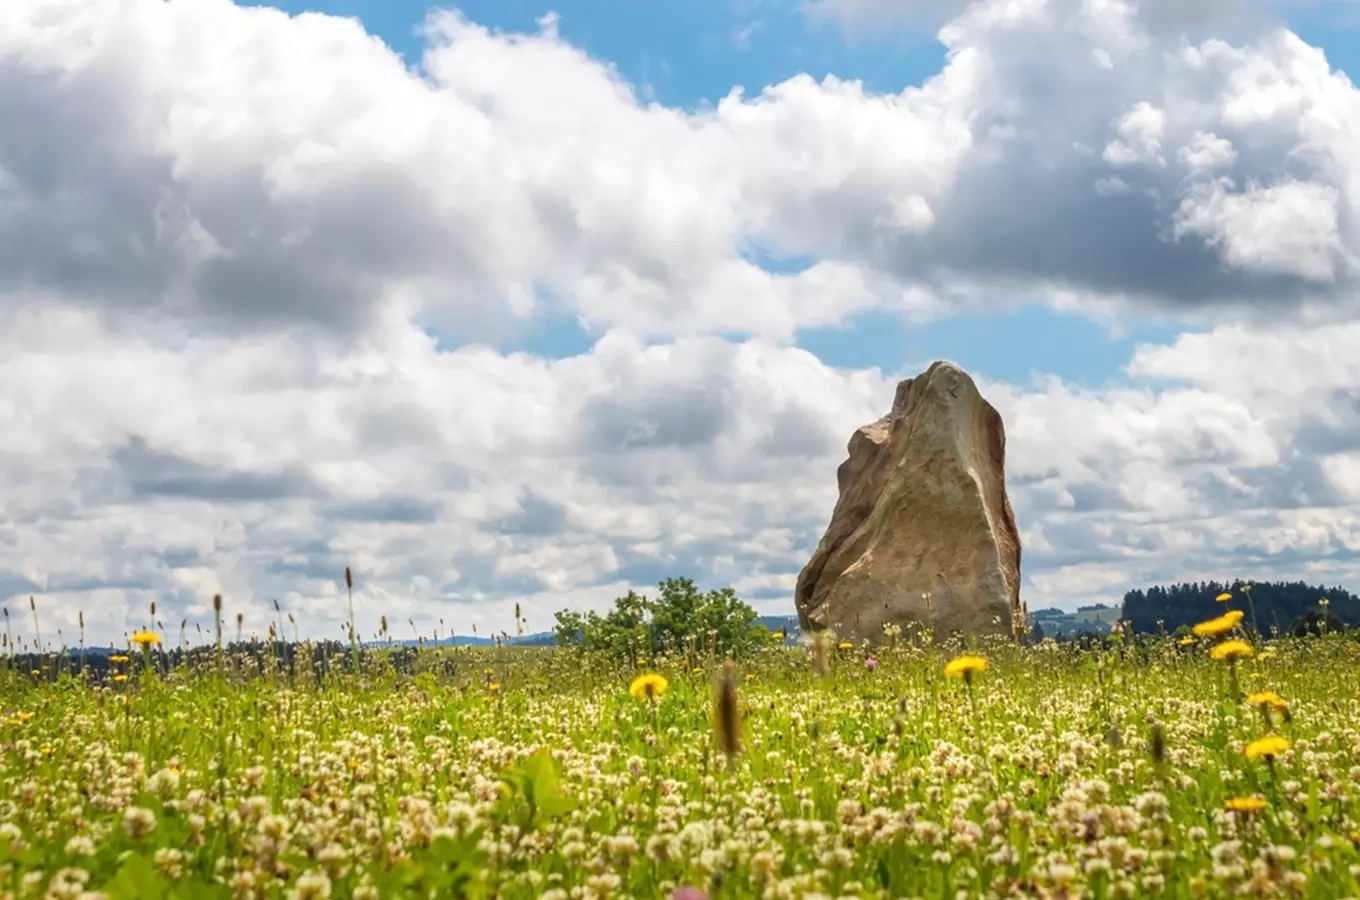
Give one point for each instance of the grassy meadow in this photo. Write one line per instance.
(1140, 768)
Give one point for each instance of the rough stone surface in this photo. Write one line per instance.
(922, 510)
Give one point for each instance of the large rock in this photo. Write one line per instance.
(922, 510)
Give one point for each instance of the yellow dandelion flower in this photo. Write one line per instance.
(1186, 641)
(1268, 747)
(965, 666)
(1220, 625)
(146, 638)
(1223, 597)
(846, 645)
(1266, 654)
(1267, 698)
(645, 687)
(120, 677)
(118, 658)
(494, 686)
(1231, 651)
(1245, 804)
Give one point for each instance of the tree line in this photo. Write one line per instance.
(1280, 607)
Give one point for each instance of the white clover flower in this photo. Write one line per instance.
(138, 822)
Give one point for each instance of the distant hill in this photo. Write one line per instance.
(1053, 622)
(549, 639)
(1280, 604)
(775, 623)
(536, 639)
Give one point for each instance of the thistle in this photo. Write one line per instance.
(217, 624)
(821, 652)
(1157, 743)
(1251, 605)
(278, 613)
(37, 631)
(353, 651)
(725, 712)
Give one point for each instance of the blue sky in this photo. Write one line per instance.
(692, 54)
(682, 53)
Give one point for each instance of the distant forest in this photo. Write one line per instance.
(1285, 606)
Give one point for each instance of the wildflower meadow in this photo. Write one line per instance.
(1216, 765)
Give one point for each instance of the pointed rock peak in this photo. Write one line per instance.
(922, 532)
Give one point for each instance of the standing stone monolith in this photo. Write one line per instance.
(923, 530)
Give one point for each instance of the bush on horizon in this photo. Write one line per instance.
(681, 618)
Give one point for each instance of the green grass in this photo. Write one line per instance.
(898, 782)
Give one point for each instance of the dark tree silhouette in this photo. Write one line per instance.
(1279, 604)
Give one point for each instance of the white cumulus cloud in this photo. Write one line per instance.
(244, 258)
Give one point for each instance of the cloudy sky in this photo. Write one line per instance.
(533, 301)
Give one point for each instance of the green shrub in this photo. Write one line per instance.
(680, 619)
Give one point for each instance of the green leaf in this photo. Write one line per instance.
(535, 782)
(195, 889)
(137, 879)
(453, 851)
(884, 875)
